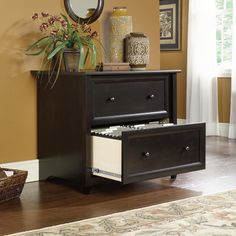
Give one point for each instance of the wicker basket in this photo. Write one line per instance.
(12, 186)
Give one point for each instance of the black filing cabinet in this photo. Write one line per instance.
(77, 119)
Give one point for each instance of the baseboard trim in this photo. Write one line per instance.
(181, 121)
(224, 129)
(32, 166)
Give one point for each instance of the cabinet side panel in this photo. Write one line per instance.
(61, 129)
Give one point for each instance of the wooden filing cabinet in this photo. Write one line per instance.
(81, 103)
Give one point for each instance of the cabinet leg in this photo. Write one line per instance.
(86, 190)
(173, 177)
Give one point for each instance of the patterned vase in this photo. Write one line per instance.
(120, 27)
(137, 51)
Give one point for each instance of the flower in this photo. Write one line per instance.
(35, 16)
(59, 34)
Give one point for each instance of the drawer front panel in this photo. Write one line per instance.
(129, 98)
(161, 152)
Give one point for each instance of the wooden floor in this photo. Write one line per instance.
(50, 203)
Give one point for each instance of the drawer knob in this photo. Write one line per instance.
(151, 96)
(111, 99)
(187, 148)
(146, 154)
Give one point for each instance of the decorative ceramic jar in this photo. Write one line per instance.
(137, 50)
(120, 27)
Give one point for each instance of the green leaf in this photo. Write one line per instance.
(35, 44)
(56, 50)
(78, 41)
(53, 71)
(94, 57)
(81, 58)
(86, 56)
(80, 46)
(46, 42)
(57, 72)
(35, 53)
(44, 49)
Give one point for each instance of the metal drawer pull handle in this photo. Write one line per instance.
(187, 148)
(147, 154)
(111, 99)
(151, 96)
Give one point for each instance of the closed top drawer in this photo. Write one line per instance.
(117, 100)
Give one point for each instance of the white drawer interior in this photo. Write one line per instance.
(106, 157)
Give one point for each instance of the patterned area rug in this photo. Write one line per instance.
(212, 215)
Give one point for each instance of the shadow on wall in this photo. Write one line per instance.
(13, 44)
(105, 35)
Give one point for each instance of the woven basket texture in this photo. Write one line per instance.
(12, 186)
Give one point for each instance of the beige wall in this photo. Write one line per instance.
(224, 88)
(178, 60)
(17, 88)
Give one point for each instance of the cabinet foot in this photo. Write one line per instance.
(173, 177)
(86, 190)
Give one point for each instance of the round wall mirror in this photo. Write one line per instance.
(84, 11)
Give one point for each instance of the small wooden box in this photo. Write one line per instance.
(114, 67)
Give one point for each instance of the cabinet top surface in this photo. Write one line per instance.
(92, 72)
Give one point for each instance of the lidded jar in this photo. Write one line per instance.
(119, 11)
(120, 26)
(137, 50)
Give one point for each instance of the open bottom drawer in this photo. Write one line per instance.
(132, 154)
